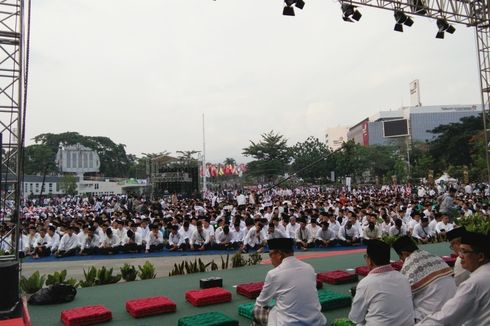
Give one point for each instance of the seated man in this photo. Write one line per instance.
(254, 240)
(383, 297)
(422, 232)
(454, 238)
(292, 283)
(68, 244)
(174, 238)
(154, 239)
(429, 276)
(90, 243)
(223, 239)
(471, 303)
(348, 235)
(200, 240)
(325, 237)
(304, 238)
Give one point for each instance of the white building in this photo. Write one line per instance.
(335, 137)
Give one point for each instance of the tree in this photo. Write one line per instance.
(39, 159)
(68, 184)
(113, 158)
(310, 151)
(271, 155)
(229, 161)
(453, 144)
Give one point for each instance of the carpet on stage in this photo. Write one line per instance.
(115, 296)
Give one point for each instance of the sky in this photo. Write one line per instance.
(144, 73)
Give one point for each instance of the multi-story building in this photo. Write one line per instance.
(421, 120)
(336, 136)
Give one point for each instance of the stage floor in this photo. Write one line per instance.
(115, 296)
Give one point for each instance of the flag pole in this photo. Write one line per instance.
(204, 187)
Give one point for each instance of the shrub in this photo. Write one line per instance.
(32, 284)
(90, 278)
(147, 271)
(475, 223)
(104, 276)
(128, 272)
(60, 278)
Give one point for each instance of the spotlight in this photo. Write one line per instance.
(398, 27)
(444, 26)
(300, 4)
(288, 11)
(349, 11)
(402, 19)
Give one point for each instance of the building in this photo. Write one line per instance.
(421, 120)
(335, 137)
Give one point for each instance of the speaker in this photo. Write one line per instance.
(9, 289)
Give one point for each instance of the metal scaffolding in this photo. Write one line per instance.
(11, 115)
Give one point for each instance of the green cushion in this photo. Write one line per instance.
(208, 319)
(246, 310)
(330, 300)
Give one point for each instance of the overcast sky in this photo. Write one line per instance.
(143, 72)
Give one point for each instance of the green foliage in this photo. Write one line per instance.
(114, 161)
(147, 271)
(32, 284)
(389, 239)
(475, 223)
(40, 159)
(104, 276)
(307, 152)
(224, 263)
(128, 272)
(271, 156)
(238, 261)
(343, 322)
(68, 184)
(254, 259)
(179, 269)
(60, 278)
(90, 278)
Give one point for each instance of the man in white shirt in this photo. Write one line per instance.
(454, 238)
(443, 227)
(254, 240)
(43, 244)
(429, 276)
(421, 232)
(304, 239)
(383, 297)
(471, 303)
(399, 229)
(224, 238)
(91, 243)
(241, 200)
(55, 238)
(237, 235)
(174, 238)
(325, 237)
(154, 239)
(292, 228)
(292, 284)
(186, 234)
(273, 232)
(68, 244)
(199, 239)
(348, 235)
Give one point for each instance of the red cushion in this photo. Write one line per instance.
(150, 306)
(449, 260)
(209, 296)
(397, 265)
(250, 290)
(337, 277)
(454, 255)
(88, 315)
(362, 270)
(319, 284)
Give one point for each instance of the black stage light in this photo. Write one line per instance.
(409, 21)
(451, 29)
(289, 3)
(402, 18)
(288, 11)
(356, 15)
(440, 35)
(443, 26)
(398, 27)
(300, 4)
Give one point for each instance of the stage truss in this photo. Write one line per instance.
(13, 65)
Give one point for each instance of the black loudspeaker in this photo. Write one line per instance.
(9, 289)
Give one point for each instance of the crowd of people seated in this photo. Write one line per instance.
(239, 220)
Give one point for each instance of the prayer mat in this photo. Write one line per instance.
(397, 265)
(362, 270)
(449, 260)
(150, 306)
(332, 300)
(209, 296)
(208, 319)
(88, 315)
(250, 290)
(337, 277)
